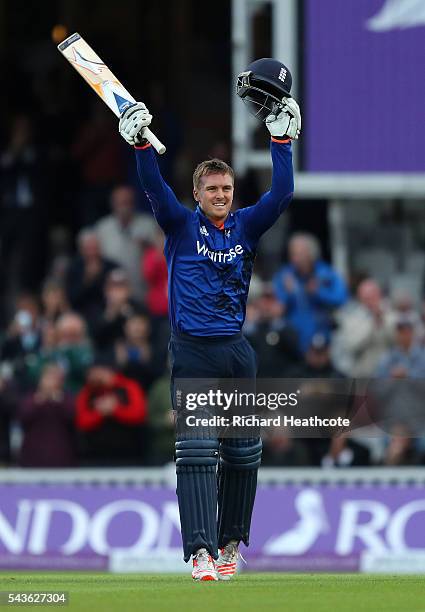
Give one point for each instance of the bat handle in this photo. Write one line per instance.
(155, 142)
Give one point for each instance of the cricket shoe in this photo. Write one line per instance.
(227, 562)
(203, 566)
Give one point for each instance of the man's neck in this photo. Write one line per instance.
(218, 223)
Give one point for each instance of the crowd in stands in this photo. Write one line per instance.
(84, 376)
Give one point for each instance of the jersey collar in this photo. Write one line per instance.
(229, 221)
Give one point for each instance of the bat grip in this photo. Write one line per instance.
(155, 142)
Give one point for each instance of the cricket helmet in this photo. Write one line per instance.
(263, 85)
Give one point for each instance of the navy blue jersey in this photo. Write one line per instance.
(209, 269)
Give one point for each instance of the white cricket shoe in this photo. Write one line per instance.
(203, 566)
(227, 562)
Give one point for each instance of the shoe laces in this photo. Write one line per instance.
(203, 559)
(231, 553)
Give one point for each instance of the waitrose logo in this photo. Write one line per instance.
(219, 256)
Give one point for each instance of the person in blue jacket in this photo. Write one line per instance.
(210, 255)
(309, 288)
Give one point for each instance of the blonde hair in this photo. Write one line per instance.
(211, 166)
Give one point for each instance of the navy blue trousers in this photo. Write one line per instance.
(215, 504)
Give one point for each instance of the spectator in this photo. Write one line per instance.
(86, 277)
(47, 420)
(28, 371)
(119, 306)
(24, 334)
(155, 275)
(317, 361)
(120, 234)
(325, 398)
(275, 342)
(111, 409)
(403, 303)
(68, 346)
(364, 331)
(396, 394)
(309, 289)
(53, 301)
(134, 354)
(406, 358)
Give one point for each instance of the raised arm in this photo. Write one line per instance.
(286, 126)
(261, 216)
(168, 211)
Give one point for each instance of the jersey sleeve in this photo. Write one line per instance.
(168, 211)
(258, 218)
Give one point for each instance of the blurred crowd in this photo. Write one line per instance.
(84, 376)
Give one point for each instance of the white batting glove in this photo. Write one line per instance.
(133, 121)
(287, 122)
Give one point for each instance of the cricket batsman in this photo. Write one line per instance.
(210, 255)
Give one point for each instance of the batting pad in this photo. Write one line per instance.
(237, 485)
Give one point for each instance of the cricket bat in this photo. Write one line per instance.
(87, 63)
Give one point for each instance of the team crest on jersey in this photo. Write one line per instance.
(203, 231)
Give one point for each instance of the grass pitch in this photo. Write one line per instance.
(247, 592)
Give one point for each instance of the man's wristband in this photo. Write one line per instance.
(281, 139)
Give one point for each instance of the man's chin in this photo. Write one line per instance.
(217, 216)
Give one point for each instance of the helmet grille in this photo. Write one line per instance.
(261, 98)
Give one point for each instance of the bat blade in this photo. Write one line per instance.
(95, 72)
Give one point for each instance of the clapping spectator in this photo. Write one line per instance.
(47, 420)
(86, 277)
(309, 289)
(121, 232)
(111, 409)
(119, 306)
(364, 331)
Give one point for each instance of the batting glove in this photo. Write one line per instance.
(287, 122)
(133, 121)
